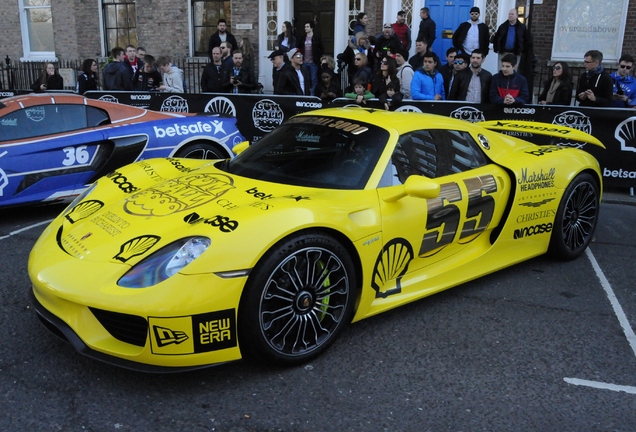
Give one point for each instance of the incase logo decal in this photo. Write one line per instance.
(532, 230)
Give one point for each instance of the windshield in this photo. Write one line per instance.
(321, 152)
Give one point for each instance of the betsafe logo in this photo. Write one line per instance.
(196, 128)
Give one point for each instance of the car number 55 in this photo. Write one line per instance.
(444, 217)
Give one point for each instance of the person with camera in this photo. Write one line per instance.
(237, 78)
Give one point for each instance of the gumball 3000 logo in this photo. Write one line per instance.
(267, 115)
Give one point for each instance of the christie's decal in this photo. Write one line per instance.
(536, 180)
(531, 128)
(528, 217)
(201, 333)
(532, 230)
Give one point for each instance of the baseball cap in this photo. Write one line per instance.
(474, 9)
(276, 54)
(292, 52)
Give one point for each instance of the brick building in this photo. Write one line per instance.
(39, 30)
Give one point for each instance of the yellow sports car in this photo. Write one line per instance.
(337, 215)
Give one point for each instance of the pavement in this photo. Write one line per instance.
(619, 196)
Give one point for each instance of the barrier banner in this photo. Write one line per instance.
(258, 114)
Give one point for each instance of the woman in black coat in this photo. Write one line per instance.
(49, 80)
(87, 78)
(558, 89)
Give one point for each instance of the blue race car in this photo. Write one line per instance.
(52, 145)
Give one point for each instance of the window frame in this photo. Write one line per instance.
(29, 54)
(103, 18)
(224, 6)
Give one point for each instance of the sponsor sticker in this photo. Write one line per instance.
(201, 333)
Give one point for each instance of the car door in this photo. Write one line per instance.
(426, 237)
(47, 151)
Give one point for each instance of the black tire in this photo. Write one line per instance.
(297, 300)
(576, 218)
(201, 150)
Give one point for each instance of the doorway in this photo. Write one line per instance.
(322, 13)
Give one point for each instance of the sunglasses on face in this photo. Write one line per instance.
(557, 68)
(628, 67)
(358, 59)
(459, 62)
(384, 62)
(298, 55)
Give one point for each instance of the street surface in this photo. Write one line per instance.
(542, 346)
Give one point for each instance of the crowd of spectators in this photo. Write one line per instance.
(376, 67)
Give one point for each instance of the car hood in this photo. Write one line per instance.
(135, 211)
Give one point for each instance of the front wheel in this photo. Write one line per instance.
(297, 300)
(576, 218)
(201, 150)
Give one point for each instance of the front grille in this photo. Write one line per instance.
(131, 329)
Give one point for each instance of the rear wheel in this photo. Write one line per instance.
(201, 150)
(576, 218)
(297, 300)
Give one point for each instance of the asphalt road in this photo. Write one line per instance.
(542, 346)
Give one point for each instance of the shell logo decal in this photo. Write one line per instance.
(392, 263)
(83, 210)
(136, 246)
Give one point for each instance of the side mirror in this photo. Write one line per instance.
(416, 186)
(240, 147)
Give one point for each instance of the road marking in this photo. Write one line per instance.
(624, 322)
(12, 233)
(600, 385)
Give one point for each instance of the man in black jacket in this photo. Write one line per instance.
(595, 87)
(211, 76)
(293, 79)
(512, 37)
(221, 35)
(472, 34)
(427, 28)
(472, 84)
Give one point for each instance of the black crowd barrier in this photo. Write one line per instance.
(259, 114)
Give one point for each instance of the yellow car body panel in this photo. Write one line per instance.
(406, 240)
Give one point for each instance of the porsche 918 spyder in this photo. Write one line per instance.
(53, 145)
(335, 216)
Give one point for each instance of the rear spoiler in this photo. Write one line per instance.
(538, 128)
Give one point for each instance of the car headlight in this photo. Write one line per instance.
(164, 263)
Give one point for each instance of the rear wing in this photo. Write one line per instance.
(525, 129)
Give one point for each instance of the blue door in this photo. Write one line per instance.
(448, 15)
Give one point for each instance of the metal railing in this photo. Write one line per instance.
(18, 75)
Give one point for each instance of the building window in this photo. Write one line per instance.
(37, 29)
(205, 15)
(120, 23)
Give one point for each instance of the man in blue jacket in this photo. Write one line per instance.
(428, 83)
(507, 86)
